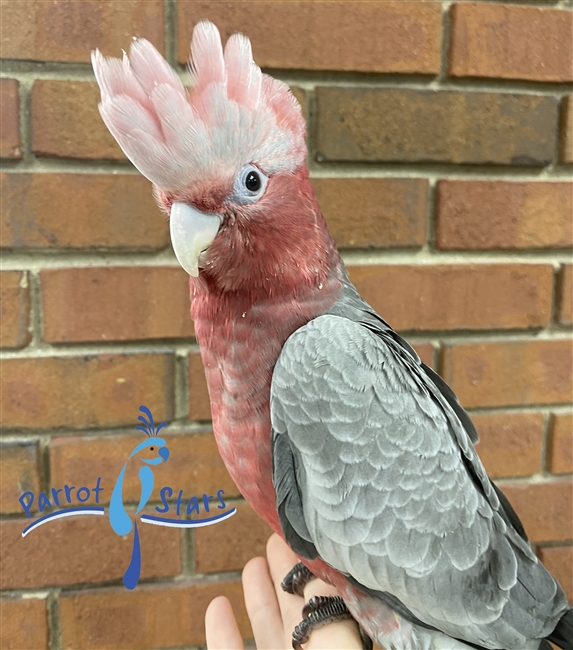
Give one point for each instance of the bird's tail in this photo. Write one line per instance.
(562, 635)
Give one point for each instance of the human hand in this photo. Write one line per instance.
(273, 612)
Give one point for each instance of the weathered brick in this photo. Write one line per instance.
(498, 214)
(82, 549)
(374, 212)
(393, 36)
(10, 145)
(20, 472)
(544, 509)
(115, 303)
(559, 560)
(435, 297)
(67, 31)
(23, 624)
(88, 391)
(387, 124)
(560, 444)
(565, 301)
(511, 42)
(510, 372)
(108, 211)
(66, 122)
(566, 154)
(152, 616)
(14, 309)
(510, 445)
(199, 404)
(236, 541)
(194, 465)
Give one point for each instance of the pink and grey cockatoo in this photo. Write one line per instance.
(349, 446)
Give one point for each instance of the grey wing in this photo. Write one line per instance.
(375, 473)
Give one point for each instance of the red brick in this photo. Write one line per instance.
(82, 549)
(67, 30)
(199, 404)
(236, 541)
(510, 445)
(560, 444)
(374, 212)
(403, 125)
(510, 372)
(109, 211)
(10, 144)
(194, 465)
(544, 509)
(393, 36)
(88, 391)
(23, 624)
(567, 130)
(14, 309)
(565, 301)
(152, 616)
(511, 42)
(559, 561)
(19, 472)
(497, 214)
(436, 297)
(425, 352)
(66, 122)
(115, 303)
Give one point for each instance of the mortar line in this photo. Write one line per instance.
(170, 31)
(182, 385)
(326, 168)
(35, 261)
(470, 336)
(54, 623)
(25, 70)
(25, 115)
(445, 45)
(186, 428)
(547, 417)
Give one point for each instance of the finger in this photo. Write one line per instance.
(262, 605)
(281, 561)
(221, 627)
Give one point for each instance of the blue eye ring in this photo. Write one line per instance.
(249, 186)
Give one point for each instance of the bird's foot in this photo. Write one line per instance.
(296, 580)
(319, 611)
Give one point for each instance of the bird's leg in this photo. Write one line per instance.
(319, 611)
(296, 580)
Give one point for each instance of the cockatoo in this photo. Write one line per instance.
(350, 447)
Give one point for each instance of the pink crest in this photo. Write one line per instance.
(232, 115)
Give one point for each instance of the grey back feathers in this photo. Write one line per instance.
(375, 472)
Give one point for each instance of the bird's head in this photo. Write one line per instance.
(226, 158)
(151, 451)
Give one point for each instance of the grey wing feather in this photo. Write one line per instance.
(391, 491)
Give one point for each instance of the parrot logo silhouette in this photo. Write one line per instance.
(120, 521)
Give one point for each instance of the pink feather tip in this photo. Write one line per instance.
(233, 115)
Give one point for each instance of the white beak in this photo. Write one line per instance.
(192, 232)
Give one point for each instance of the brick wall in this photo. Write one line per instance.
(440, 141)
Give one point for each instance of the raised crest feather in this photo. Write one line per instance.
(232, 115)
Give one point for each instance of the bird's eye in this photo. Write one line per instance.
(151, 448)
(249, 186)
(253, 182)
